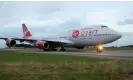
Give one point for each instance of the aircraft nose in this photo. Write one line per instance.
(119, 35)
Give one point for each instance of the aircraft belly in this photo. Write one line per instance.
(89, 41)
(82, 41)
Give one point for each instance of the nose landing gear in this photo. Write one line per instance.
(62, 49)
(100, 48)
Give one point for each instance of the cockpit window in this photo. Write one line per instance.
(104, 26)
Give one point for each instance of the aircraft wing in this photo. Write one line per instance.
(19, 39)
(64, 41)
(59, 41)
(4, 38)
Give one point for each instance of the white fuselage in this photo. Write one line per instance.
(88, 36)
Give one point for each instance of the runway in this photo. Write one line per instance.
(119, 54)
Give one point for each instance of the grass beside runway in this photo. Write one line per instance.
(28, 66)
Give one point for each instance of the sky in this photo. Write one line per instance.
(44, 18)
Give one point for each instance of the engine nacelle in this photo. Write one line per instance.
(42, 45)
(10, 42)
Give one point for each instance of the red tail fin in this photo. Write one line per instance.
(26, 32)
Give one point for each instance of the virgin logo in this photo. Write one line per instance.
(75, 34)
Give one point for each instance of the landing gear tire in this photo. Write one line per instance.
(62, 50)
(54, 49)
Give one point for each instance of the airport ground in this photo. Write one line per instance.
(21, 64)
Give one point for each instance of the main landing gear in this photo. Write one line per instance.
(62, 49)
(100, 48)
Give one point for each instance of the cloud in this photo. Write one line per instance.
(43, 18)
(128, 21)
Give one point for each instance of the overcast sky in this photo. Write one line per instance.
(44, 18)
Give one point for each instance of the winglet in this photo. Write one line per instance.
(26, 32)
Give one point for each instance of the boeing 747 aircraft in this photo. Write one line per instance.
(96, 35)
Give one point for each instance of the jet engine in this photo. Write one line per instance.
(10, 42)
(42, 45)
